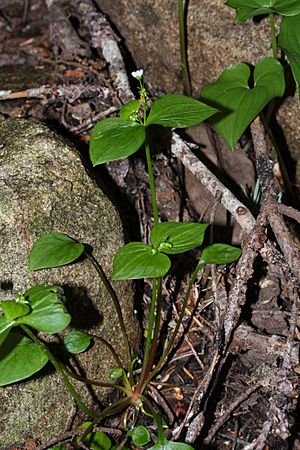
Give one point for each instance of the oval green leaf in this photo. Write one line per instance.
(220, 254)
(54, 250)
(77, 341)
(48, 313)
(169, 445)
(137, 260)
(289, 42)
(250, 8)
(239, 103)
(140, 435)
(179, 111)
(95, 441)
(129, 110)
(177, 237)
(117, 373)
(114, 139)
(19, 359)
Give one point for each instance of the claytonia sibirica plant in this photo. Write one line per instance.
(42, 308)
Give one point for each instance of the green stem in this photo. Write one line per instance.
(94, 382)
(151, 323)
(273, 34)
(170, 344)
(61, 372)
(151, 181)
(115, 300)
(155, 339)
(111, 349)
(183, 50)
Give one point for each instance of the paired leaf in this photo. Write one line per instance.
(289, 42)
(239, 103)
(178, 111)
(54, 250)
(177, 237)
(77, 341)
(220, 254)
(115, 138)
(137, 260)
(140, 435)
(19, 359)
(250, 8)
(129, 110)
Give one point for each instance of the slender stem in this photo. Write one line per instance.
(115, 300)
(151, 323)
(94, 382)
(115, 408)
(111, 349)
(151, 181)
(273, 34)
(183, 50)
(179, 322)
(155, 339)
(61, 372)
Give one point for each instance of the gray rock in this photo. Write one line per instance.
(44, 187)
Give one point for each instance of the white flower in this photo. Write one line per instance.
(137, 74)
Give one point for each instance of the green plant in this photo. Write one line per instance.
(41, 308)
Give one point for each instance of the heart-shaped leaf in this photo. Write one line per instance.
(77, 341)
(20, 358)
(250, 8)
(239, 103)
(47, 309)
(220, 254)
(129, 110)
(115, 138)
(178, 111)
(289, 42)
(177, 237)
(137, 260)
(54, 250)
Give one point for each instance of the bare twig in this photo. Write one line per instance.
(238, 210)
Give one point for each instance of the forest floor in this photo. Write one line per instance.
(236, 394)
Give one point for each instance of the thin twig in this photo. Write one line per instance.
(220, 422)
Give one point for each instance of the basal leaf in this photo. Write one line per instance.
(77, 341)
(96, 440)
(140, 435)
(250, 8)
(129, 110)
(220, 254)
(114, 139)
(19, 358)
(5, 327)
(289, 42)
(47, 309)
(178, 111)
(241, 104)
(137, 260)
(169, 445)
(53, 250)
(177, 237)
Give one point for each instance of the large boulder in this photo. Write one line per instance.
(44, 187)
(151, 33)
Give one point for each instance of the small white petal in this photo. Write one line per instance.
(137, 74)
